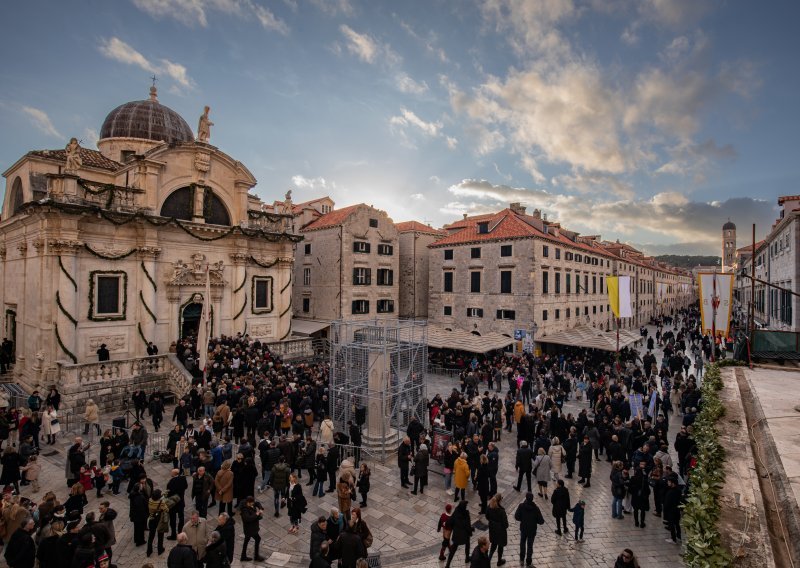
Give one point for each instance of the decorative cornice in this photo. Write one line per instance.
(22, 247)
(239, 257)
(38, 244)
(149, 252)
(64, 246)
(3, 252)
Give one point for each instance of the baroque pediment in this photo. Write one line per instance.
(194, 272)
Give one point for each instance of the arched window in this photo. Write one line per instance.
(180, 204)
(17, 197)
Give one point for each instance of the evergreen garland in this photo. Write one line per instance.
(141, 333)
(64, 311)
(287, 284)
(147, 308)
(150, 278)
(263, 264)
(67, 274)
(64, 347)
(108, 256)
(288, 307)
(242, 310)
(244, 281)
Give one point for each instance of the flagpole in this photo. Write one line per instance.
(713, 316)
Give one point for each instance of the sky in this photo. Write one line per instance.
(647, 121)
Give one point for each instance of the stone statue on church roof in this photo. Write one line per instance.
(74, 161)
(204, 126)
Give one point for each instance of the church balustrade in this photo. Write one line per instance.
(105, 371)
(291, 349)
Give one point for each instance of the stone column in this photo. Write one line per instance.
(239, 260)
(148, 256)
(377, 419)
(64, 254)
(284, 300)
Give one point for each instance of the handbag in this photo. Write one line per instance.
(413, 470)
(54, 421)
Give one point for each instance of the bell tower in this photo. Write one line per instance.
(728, 246)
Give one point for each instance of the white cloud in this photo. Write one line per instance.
(429, 42)
(417, 196)
(316, 183)
(116, 49)
(335, 7)
(90, 138)
(408, 118)
(451, 142)
(196, 12)
(362, 46)
(594, 183)
(41, 121)
(406, 84)
(531, 25)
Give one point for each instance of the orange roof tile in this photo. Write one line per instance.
(298, 207)
(332, 219)
(90, 158)
(416, 226)
(502, 226)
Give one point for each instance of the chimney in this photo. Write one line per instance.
(517, 208)
(465, 216)
(544, 216)
(537, 214)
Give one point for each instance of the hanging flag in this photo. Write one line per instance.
(205, 326)
(722, 299)
(619, 295)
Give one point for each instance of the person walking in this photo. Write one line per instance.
(421, 461)
(138, 514)
(541, 467)
(523, 465)
(11, 462)
(177, 485)
(446, 529)
(498, 527)
(202, 486)
(196, 531)
(91, 416)
(363, 483)
(158, 519)
(404, 458)
(251, 513)
(640, 494)
(560, 501)
(529, 517)
(479, 557)
(296, 503)
(482, 479)
(619, 488)
(585, 463)
(279, 479)
(578, 516)
(672, 509)
(557, 455)
(461, 476)
(570, 453)
(461, 525)
(223, 487)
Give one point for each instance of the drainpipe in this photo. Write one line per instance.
(341, 268)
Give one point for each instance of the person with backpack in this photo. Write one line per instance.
(530, 517)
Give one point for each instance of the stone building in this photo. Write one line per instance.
(509, 270)
(111, 246)
(414, 238)
(347, 266)
(728, 247)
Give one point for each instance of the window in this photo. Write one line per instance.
(385, 250)
(108, 295)
(385, 306)
(475, 252)
(474, 312)
(601, 285)
(362, 276)
(567, 256)
(558, 314)
(475, 282)
(360, 246)
(306, 305)
(483, 227)
(360, 306)
(558, 282)
(544, 315)
(578, 258)
(306, 277)
(373, 223)
(448, 254)
(505, 282)
(307, 248)
(506, 314)
(448, 281)
(558, 254)
(594, 309)
(568, 312)
(180, 204)
(448, 310)
(545, 251)
(585, 283)
(601, 309)
(586, 310)
(326, 209)
(385, 277)
(594, 284)
(505, 250)
(262, 294)
(545, 282)
(568, 282)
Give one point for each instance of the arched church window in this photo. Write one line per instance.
(180, 204)
(17, 197)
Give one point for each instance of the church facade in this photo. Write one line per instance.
(111, 246)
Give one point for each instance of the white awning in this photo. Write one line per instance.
(458, 339)
(308, 327)
(591, 337)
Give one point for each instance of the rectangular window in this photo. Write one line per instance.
(506, 314)
(545, 282)
(474, 312)
(544, 315)
(545, 251)
(568, 283)
(373, 223)
(361, 247)
(578, 258)
(385, 306)
(585, 283)
(385, 250)
(475, 252)
(448, 310)
(385, 277)
(568, 312)
(306, 277)
(362, 276)
(262, 294)
(505, 281)
(360, 306)
(558, 282)
(307, 248)
(558, 313)
(594, 309)
(567, 256)
(505, 250)
(109, 291)
(448, 254)
(306, 305)
(448, 281)
(483, 227)
(558, 254)
(475, 282)
(586, 310)
(594, 284)
(601, 309)
(601, 286)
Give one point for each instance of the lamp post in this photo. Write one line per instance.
(534, 328)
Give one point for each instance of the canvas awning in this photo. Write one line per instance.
(308, 327)
(591, 337)
(461, 340)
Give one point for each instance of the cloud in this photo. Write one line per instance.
(674, 13)
(196, 12)
(363, 46)
(90, 138)
(417, 196)
(317, 183)
(531, 25)
(406, 84)
(408, 120)
(116, 49)
(429, 42)
(335, 7)
(41, 121)
(595, 183)
(696, 159)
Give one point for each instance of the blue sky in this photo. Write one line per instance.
(651, 121)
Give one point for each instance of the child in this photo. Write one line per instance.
(446, 532)
(98, 477)
(578, 513)
(31, 473)
(116, 474)
(86, 478)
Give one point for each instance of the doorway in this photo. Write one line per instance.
(190, 319)
(11, 330)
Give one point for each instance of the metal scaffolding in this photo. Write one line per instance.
(378, 379)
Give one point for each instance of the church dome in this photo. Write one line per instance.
(148, 120)
(729, 226)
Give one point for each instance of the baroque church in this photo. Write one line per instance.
(111, 246)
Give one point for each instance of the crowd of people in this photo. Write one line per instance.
(255, 424)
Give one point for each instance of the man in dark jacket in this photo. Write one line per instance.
(672, 510)
(524, 465)
(318, 536)
(355, 440)
(202, 484)
(480, 557)
(21, 550)
(183, 555)
(177, 485)
(323, 559)
(349, 547)
(529, 517)
(280, 483)
(413, 431)
(404, 459)
(332, 464)
(251, 519)
(571, 448)
(226, 527)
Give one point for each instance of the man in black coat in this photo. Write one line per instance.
(226, 527)
(672, 510)
(332, 464)
(21, 550)
(529, 517)
(403, 460)
(183, 555)
(413, 432)
(524, 465)
(571, 449)
(355, 440)
(177, 485)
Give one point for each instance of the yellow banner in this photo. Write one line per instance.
(612, 282)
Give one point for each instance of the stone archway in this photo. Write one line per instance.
(189, 316)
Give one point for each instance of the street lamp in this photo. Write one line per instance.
(534, 329)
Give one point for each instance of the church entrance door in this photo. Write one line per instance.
(190, 319)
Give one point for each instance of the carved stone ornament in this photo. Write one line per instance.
(38, 244)
(22, 248)
(195, 274)
(113, 343)
(67, 246)
(259, 330)
(202, 161)
(239, 257)
(265, 260)
(3, 252)
(149, 252)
